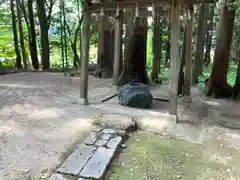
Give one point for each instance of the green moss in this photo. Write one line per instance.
(150, 157)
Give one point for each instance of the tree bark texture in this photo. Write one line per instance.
(33, 41)
(21, 35)
(44, 39)
(15, 36)
(105, 49)
(207, 58)
(201, 31)
(218, 77)
(134, 67)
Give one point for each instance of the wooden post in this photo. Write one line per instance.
(174, 56)
(85, 57)
(117, 50)
(188, 55)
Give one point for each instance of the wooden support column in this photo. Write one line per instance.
(174, 56)
(85, 57)
(117, 50)
(188, 55)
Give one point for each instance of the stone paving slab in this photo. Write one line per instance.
(97, 165)
(91, 159)
(57, 177)
(76, 161)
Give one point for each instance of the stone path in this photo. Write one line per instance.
(92, 157)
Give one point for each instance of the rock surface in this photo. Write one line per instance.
(115, 121)
(135, 95)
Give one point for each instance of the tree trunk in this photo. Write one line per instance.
(45, 51)
(156, 47)
(201, 31)
(218, 85)
(21, 35)
(32, 42)
(76, 59)
(15, 36)
(65, 33)
(135, 52)
(207, 58)
(167, 57)
(105, 49)
(182, 64)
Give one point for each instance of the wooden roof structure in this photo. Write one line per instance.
(96, 5)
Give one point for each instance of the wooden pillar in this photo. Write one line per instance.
(188, 54)
(85, 57)
(117, 50)
(174, 56)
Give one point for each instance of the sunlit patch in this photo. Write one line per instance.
(211, 103)
(18, 85)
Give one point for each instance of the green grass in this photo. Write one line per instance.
(151, 157)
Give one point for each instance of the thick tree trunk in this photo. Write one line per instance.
(207, 58)
(218, 84)
(21, 35)
(105, 49)
(182, 64)
(135, 53)
(201, 31)
(33, 41)
(15, 36)
(156, 47)
(65, 33)
(45, 51)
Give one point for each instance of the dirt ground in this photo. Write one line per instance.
(41, 120)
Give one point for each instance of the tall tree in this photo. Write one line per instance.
(209, 36)
(32, 42)
(134, 68)
(44, 39)
(21, 35)
(105, 48)
(201, 31)
(15, 36)
(218, 85)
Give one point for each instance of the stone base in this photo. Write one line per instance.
(83, 101)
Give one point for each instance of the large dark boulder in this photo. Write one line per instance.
(135, 95)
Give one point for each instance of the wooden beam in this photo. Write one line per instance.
(85, 57)
(117, 50)
(125, 4)
(188, 54)
(174, 56)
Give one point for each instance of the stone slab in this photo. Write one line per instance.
(105, 136)
(109, 131)
(97, 165)
(115, 121)
(91, 139)
(57, 177)
(114, 142)
(76, 161)
(101, 143)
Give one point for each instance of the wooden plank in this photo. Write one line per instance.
(85, 57)
(188, 55)
(117, 51)
(174, 57)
